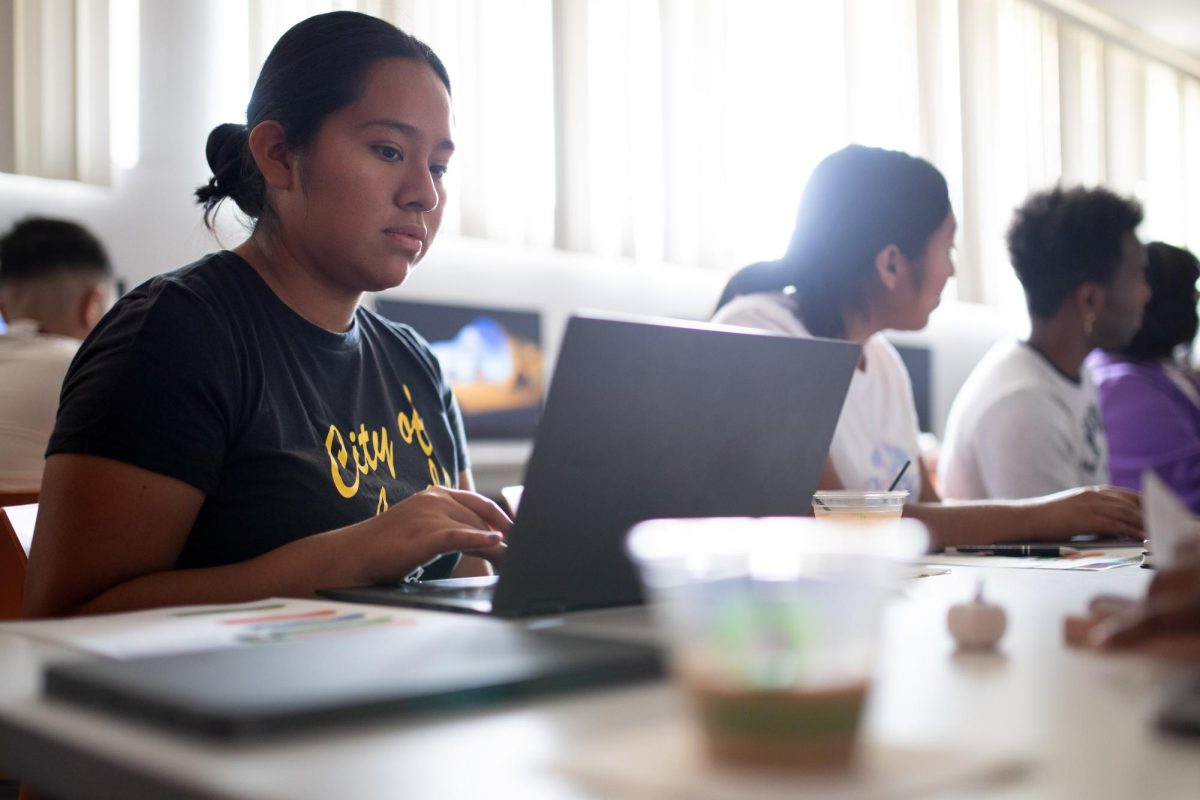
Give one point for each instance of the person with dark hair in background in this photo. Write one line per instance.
(55, 284)
(1149, 395)
(872, 251)
(242, 427)
(1027, 420)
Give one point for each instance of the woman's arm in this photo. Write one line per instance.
(109, 534)
(1100, 509)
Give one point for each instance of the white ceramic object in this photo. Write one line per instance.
(977, 625)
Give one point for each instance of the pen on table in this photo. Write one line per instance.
(1031, 550)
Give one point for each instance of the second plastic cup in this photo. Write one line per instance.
(855, 506)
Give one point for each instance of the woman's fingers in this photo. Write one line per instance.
(495, 554)
(484, 509)
(466, 508)
(453, 540)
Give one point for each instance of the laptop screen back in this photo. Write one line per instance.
(649, 419)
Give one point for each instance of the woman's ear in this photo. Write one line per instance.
(269, 147)
(889, 264)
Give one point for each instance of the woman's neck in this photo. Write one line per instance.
(300, 287)
(858, 328)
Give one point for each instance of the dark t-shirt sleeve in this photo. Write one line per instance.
(143, 392)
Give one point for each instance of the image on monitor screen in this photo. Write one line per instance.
(491, 357)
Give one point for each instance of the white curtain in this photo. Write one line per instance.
(1048, 100)
(683, 130)
(54, 102)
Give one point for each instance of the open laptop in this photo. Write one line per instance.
(649, 418)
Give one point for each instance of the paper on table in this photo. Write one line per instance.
(193, 628)
(665, 761)
(1173, 532)
(22, 518)
(1113, 557)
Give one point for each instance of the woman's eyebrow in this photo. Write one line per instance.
(406, 129)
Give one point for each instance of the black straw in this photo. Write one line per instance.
(899, 475)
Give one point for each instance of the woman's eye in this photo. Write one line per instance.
(388, 153)
(439, 170)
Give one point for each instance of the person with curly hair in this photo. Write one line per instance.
(1149, 395)
(1027, 420)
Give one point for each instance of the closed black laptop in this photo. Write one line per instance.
(648, 419)
(249, 692)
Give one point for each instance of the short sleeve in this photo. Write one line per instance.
(154, 387)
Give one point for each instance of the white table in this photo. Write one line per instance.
(1081, 721)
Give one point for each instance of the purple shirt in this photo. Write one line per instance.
(1152, 423)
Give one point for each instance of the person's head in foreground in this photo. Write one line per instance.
(55, 273)
(347, 137)
(871, 248)
(1170, 321)
(1081, 265)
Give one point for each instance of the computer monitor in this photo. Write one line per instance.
(919, 362)
(491, 357)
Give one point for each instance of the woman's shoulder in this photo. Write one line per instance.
(771, 311)
(212, 281)
(884, 363)
(186, 310)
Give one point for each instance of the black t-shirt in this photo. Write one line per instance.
(203, 374)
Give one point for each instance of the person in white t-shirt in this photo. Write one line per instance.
(55, 284)
(1027, 421)
(872, 251)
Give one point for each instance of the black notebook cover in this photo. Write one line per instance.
(275, 688)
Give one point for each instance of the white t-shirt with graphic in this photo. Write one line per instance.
(877, 431)
(1020, 428)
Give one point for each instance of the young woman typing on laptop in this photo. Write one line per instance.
(871, 251)
(241, 427)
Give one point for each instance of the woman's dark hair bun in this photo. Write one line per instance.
(227, 151)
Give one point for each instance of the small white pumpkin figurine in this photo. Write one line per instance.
(976, 625)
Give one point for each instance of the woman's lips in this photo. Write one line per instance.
(411, 240)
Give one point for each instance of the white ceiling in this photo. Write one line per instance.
(1176, 22)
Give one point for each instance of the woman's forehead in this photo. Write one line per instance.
(406, 91)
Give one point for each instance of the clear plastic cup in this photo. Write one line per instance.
(846, 505)
(772, 626)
